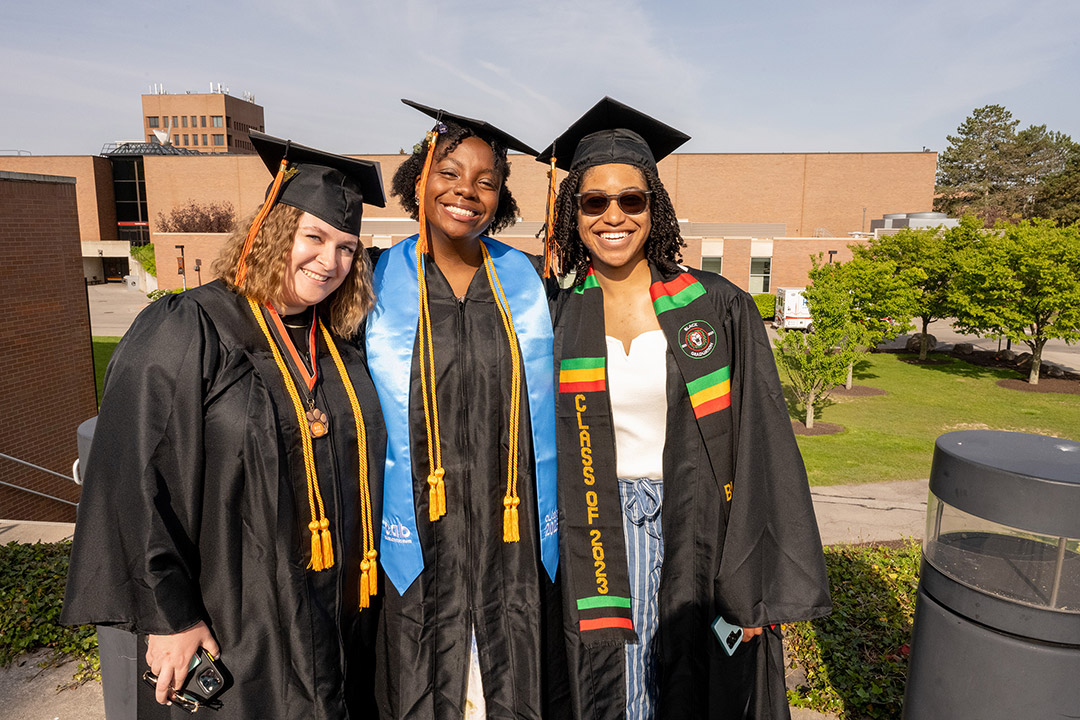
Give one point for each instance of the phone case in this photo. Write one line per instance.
(729, 635)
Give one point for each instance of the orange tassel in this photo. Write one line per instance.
(268, 205)
(327, 545)
(551, 245)
(316, 546)
(511, 531)
(432, 140)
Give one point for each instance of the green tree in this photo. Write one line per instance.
(1058, 194)
(883, 298)
(144, 255)
(926, 258)
(976, 171)
(1021, 282)
(818, 361)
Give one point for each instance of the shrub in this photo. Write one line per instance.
(144, 255)
(855, 659)
(32, 581)
(198, 218)
(160, 293)
(766, 305)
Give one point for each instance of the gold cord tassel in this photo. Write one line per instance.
(327, 545)
(436, 494)
(373, 579)
(365, 583)
(511, 529)
(316, 547)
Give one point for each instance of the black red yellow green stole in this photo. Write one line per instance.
(595, 548)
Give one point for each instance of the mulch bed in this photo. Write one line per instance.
(857, 391)
(1046, 385)
(820, 428)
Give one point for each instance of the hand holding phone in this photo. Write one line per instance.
(730, 636)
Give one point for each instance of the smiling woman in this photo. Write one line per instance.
(216, 511)
(460, 349)
(670, 371)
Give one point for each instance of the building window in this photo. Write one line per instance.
(713, 264)
(185, 139)
(204, 139)
(219, 140)
(193, 119)
(760, 274)
(175, 122)
(183, 120)
(202, 118)
(175, 139)
(216, 121)
(194, 139)
(152, 121)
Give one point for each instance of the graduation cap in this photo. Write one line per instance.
(330, 187)
(611, 132)
(482, 128)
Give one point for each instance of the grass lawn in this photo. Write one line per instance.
(891, 437)
(103, 350)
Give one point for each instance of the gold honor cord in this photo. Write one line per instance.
(368, 566)
(511, 526)
(436, 472)
(322, 553)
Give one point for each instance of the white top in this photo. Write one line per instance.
(637, 384)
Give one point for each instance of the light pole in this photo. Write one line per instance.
(180, 266)
(198, 269)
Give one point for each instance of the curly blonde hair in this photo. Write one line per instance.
(269, 259)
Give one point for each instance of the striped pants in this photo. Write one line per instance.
(641, 502)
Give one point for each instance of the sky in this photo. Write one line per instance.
(763, 76)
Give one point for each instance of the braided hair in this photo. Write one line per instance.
(663, 247)
(403, 186)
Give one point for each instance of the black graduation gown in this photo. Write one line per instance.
(761, 566)
(195, 508)
(472, 580)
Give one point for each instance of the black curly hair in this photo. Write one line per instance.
(403, 186)
(663, 247)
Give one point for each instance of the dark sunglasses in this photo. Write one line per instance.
(631, 202)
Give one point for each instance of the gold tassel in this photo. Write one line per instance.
(327, 545)
(316, 546)
(436, 494)
(373, 581)
(511, 532)
(365, 586)
(422, 241)
(551, 245)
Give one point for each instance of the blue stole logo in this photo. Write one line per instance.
(391, 336)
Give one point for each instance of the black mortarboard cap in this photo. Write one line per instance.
(611, 132)
(482, 128)
(330, 187)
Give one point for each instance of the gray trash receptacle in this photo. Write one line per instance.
(997, 617)
(116, 648)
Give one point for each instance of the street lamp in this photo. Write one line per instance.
(831, 253)
(198, 268)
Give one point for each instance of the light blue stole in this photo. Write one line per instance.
(391, 336)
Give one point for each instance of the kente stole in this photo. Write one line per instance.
(594, 546)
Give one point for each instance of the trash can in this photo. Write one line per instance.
(116, 648)
(997, 616)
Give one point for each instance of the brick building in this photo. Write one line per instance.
(755, 218)
(213, 122)
(48, 379)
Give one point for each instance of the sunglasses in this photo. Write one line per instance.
(631, 202)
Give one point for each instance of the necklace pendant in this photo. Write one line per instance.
(317, 421)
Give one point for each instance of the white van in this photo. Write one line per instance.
(792, 312)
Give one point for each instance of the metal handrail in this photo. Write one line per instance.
(43, 469)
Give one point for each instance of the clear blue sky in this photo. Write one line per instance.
(768, 76)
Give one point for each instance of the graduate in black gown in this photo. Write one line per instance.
(461, 356)
(232, 491)
(683, 494)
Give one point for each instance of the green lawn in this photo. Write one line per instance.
(103, 350)
(891, 437)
